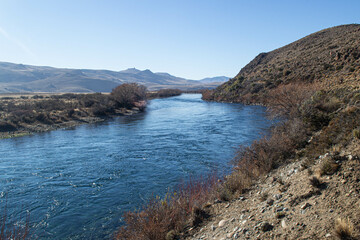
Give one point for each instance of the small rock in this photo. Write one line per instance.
(283, 224)
(306, 205)
(241, 198)
(266, 227)
(328, 235)
(229, 235)
(331, 210)
(232, 220)
(270, 202)
(212, 227)
(222, 223)
(227, 205)
(277, 196)
(243, 222)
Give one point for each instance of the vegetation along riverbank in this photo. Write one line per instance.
(300, 182)
(23, 114)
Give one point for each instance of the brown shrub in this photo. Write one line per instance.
(270, 152)
(237, 181)
(171, 214)
(207, 95)
(286, 100)
(128, 93)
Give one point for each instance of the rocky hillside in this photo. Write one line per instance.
(16, 78)
(330, 57)
(289, 204)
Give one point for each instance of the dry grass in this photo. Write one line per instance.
(328, 167)
(344, 229)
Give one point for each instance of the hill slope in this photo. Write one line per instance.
(330, 57)
(26, 78)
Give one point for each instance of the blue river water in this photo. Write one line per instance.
(76, 183)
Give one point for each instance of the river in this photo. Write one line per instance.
(76, 183)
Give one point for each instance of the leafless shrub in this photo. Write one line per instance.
(129, 93)
(286, 100)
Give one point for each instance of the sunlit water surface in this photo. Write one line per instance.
(77, 183)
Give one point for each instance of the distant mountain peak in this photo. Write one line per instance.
(131, 70)
(146, 71)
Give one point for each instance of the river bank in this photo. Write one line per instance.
(29, 113)
(24, 114)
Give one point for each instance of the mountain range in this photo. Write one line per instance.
(27, 78)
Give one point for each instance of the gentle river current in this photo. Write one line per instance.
(76, 183)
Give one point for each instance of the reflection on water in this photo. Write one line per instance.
(77, 183)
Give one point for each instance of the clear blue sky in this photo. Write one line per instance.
(187, 38)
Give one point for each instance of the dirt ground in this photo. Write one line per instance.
(285, 205)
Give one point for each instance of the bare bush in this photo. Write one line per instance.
(162, 218)
(286, 100)
(129, 93)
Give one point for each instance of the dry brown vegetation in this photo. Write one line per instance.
(344, 229)
(163, 93)
(127, 94)
(42, 113)
(166, 218)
